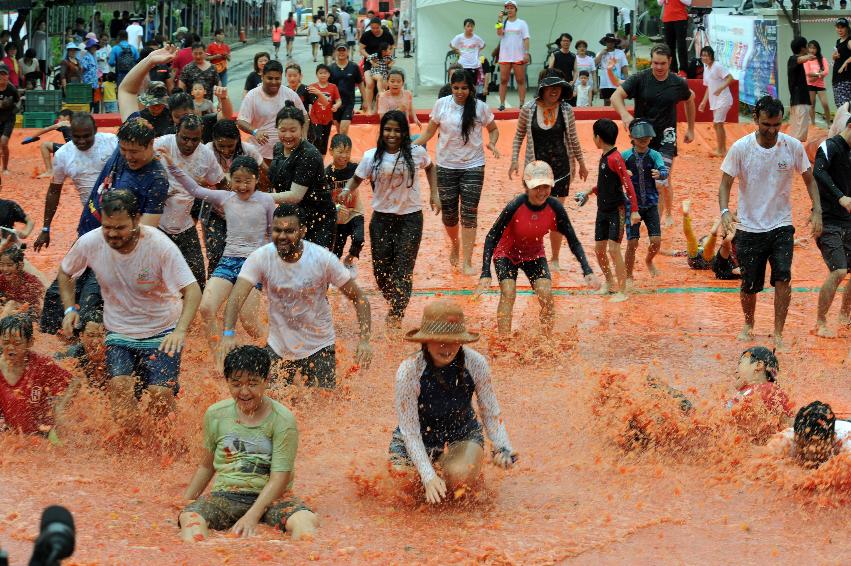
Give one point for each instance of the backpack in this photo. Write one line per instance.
(125, 60)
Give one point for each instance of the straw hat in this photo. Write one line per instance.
(443, 321)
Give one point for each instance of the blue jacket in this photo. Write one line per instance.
(640, 167)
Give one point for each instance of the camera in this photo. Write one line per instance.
(55, 540)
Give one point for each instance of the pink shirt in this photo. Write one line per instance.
(812, 67)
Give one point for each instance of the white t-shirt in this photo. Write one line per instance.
(299, 314)
(470, 47)
(585, 63)
(83, 167)
(312, 33)
(392, 192)
(102, 56)
(841, 431)
(259, 110)
(713, 78)
(583, 94)
(345, 22)
(141, 290)
(202, 164)
(452, 152)
(134, 35)
(765, 180)
(511, 48)
(620, 62)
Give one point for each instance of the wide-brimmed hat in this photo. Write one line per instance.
(553, 79)
(157, 93)
(609, 37)
(538, 173)
(443, 321)
(72, 45)
(136, 17)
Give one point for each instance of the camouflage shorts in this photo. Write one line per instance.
(223, 509)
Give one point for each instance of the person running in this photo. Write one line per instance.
(717, 81)
(513, 51)
(150, 297)
(764, 163)
(516, 242)
(434, 405)
(327, 101)
(396, 226)
(549, 127)
(656, 92)
(218, 53)
(329, 38)
(289, 35)
(9, 98)
(346, 76)
(259, 109)
(349, 211)
(397, 98)
(296, 274)
(467, 46)
(277, 32)
(832, 172)
(63, 126)
(294, 75)
(297, 174)
(313, 38)
(461, 120)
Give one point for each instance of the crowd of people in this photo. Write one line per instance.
(275, 220)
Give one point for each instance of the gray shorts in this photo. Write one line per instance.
(222, 509)
(318, 369)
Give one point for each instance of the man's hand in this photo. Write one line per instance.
(163, 55)
(844, 202)
(689, 136)
(363, 353)
(43, 240)
(173, 343)
(226, 344)
(815, 220)
(583, 172)
(728, 222)
(435, 490)
(70, 322)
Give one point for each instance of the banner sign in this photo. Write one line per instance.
(747, 48)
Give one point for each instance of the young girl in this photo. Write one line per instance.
(585, 62)
(293, 74)
(245, 210)
(200, 101)
(816, 71)
(434, 394)
(701, 253)
(381, 63)
(396, 226)
(397, 98)
(19, 290)
(289, 35)
(717, 81)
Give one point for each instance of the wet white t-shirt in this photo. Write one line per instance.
(765, 180)
(713, 78)
(470, 47)
(511, 49)
(202, 164)
(259, 110)
(141, 290)
(83, 167)
(300, 321)
(841, 431)
(392, 191)
(452, 152)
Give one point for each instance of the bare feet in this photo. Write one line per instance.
(454, 254)
(554, 266)
(470, 270)
(618, 297)
(779, 345)
(630, 285)
(686, 206)
(652, 269)
(603, 290)
(746, 335)
(668, 222)
(822, 331)
(844, 319)
(45, 175)
(393, 322)
(719, 153)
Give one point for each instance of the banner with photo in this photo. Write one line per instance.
(747, 47)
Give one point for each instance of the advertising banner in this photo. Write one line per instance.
(747, 48)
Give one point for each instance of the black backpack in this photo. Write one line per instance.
(125, 60)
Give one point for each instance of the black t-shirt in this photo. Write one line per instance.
(656, 101)
(565, 62)
(306, 97)
(10, 213)
(303, 167)
(8, 99)
(336, 179)
(160, 73)
(799, 92)
(346, 80)
(162, 122)
(371, 43)
(253, 80)
(844, 53)
(329, 40)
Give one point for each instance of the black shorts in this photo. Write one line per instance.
(609, 225)
(562, 188)
(327, 50)
(650, 217)
(606, 93)
(757, 249)
(276, 44)
(723, 267)
(815, 88)
(6, 127)
(289, 39)
(534, 269)
(835, 246)
(344, 112)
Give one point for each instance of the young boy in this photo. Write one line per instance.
(349, 209)
(63, 126)
(110, 94)
(250, 444)
(815, 437)
(724, 263)
(322, 111)
(584, 90)
(646, 166)
(756, 375)
(200, 101)
(612, 179)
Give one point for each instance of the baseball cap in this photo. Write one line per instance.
(512, 2)
(538, 173)
(157, 93)
(767, 357)
(341, 45)
(641, 129)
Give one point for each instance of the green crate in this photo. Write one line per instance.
(43, 100)
(78, 93)
(39, 119)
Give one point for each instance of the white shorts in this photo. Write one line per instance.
(719, 115)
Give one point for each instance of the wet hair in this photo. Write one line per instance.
(245, 162)
(137, 130)
(322, 67)
(257, 57)
(606, 130)
(798, 44)
(769, 105)
(341, 140)
(815, 423)
(294, 66)
(404, 147)
(17, 323)
(227, 129)
(66, 113)
(467, 21)
(273, 67)
(819, 56)
(661, 49)
(91, 315)
(120, 200)
(198, 45)
(468, 114)
(180, 101)
(399, 72)
(83, 118)
(708, 51)
(14, 253)
(581, 42)
(767, 357)
(287, 209)
(584, 73)
(289, 113)
(250, 359)
(190, 121)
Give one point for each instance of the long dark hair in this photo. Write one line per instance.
(468, 115)
(404, 147)
(817, 45)
(227, 129)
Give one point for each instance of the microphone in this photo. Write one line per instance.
(56, 539)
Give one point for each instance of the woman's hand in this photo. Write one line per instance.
(702, 106)
(513, 168)
(435, 490)
(261, 137)
(163, 154)
(583, 171)
(434, 201)
(494, 150)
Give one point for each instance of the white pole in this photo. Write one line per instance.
(418, 51)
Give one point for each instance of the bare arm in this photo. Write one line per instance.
(202, 477)
(225, 105)
(173, 342)
(431, 129)
(51, 204)
(292, 196)
(128, 92)
(361, 304)
(152, 220)
(618, 98)
(728, 219)
(274, 489)
(28, 228)
(812, 188)
(690, 113)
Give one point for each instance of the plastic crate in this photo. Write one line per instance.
(77, 107)
(19, 120)
(43, 100)
(39, 119)
(78, 93)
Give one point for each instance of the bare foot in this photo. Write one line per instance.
(652, 269)
(618, 297)
(668, 222)
(470, 270)
(822, 331)
(779, 345)
(630, 285)
(718, 153)
(454, 254)
(844, 319)
(45, 175)
(554, 266)
(686, 206)
(603, 290)
(746, 335)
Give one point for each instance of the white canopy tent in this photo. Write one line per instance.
(438, 21)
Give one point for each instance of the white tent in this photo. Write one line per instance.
(438, 21)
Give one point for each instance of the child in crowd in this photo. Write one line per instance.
(63, 126)
(612, 179)
(200, 101)
(350, 221)
(19, 290)
(293, 74)
(110, 94)
(396, 97)
(327, 101)
(646, 166)
(756, 377)
(381, 63)
(701, 253)
(815, 437)
(250, 444)
(584, 90)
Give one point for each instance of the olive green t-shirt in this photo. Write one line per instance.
(244, 456)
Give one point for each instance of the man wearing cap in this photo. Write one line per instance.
(621, 69)
(370, 43)
(135, 31)
(123, 57)
(656, 92)
(295, 275)
(346, 76)
(155, 103)
(9, 98)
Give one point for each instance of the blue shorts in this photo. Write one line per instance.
(229, 268)
(142, 360)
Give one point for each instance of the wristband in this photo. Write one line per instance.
(254, 133)
(228, 333)
(725, 211)
(73, 308)
(46, 229)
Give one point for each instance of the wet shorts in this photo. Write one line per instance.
(399, 453)
(228, 269)
(345, 112)
(222, 509)
(318, 369)
(534, 269)
(142, 359)
(7, 126)
(610, 225)
(835, 246)
(606, 93)
(757, 249)
(650, 218)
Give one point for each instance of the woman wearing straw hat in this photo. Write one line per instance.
(434, 393)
